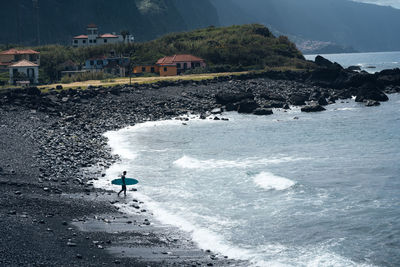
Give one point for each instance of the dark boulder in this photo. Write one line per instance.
(323, 62)
(33, 91)
(298, 99)
(274, 104)
(370, 92)
(247, 106)
(313, 107)
(322, 101)
(231, 107)
(354, 68)
(272, 96)
(389, 77)
(224, 98)
(263, 111)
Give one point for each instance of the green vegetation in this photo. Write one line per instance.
(87, 76)
(225, 49)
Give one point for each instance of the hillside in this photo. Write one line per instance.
(60, 20)
(359, 26)
(233, 48)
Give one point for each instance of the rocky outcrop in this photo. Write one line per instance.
(224, 98)
(312, 107)
(370, 92)
(298, 99)
(247, 106)
(263, 111)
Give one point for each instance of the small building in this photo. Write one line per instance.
(24, 71)
(182, 62)
(171, 66)
(93, 38)
(114, 65)
(12, 56)
(139, 69)
(165, 70)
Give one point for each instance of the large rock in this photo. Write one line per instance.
(247, 106)
(370, 92)
(298, 99)
(272, 96)
(323, 62)
(224, 98)
(263, 111)
(274, 104)
(313, 107)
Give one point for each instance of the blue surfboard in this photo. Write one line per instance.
(128, 181)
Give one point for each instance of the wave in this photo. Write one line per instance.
(269, 181)
(187, 162)
(270, 254)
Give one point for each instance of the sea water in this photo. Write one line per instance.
(290, 189)
(370, 62)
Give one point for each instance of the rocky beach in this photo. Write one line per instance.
(52, 148)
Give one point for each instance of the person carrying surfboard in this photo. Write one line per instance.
(123, 183)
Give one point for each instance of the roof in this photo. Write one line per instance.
(108, 35)
(19, 52)
(81, 37)
(24, 63)
(177, 58)
(92, 25)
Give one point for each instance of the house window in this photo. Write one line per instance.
(99, 62)
(90, 41)
(94, 41)
(91, 62)
(185, 65)
(84, 41)
(152, 69)
(178, 65)
(75, 41)
(143, 69)
(105, 40)
(165, 69)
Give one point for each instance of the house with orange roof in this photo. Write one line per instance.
(182, 62)
(93, 37)
(172, 65)
(12, 56)
(22, 64)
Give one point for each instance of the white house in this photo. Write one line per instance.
(24, 71)
(94, 38)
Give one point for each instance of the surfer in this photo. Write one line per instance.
(123, 183)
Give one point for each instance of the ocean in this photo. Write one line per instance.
(290, 189)
(370, 62)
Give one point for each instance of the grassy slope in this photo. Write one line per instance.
(225, 49)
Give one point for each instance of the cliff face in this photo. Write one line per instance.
(60, 20)
(364, 27)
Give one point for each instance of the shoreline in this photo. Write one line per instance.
(48, 139)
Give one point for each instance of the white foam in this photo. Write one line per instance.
(343, 109)
(270, 181)
(187, 162)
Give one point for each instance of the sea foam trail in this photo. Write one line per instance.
(270, 181)
(187, 162)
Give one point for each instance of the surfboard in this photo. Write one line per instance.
(128, 181)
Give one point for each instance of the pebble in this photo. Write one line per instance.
(71, 244)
